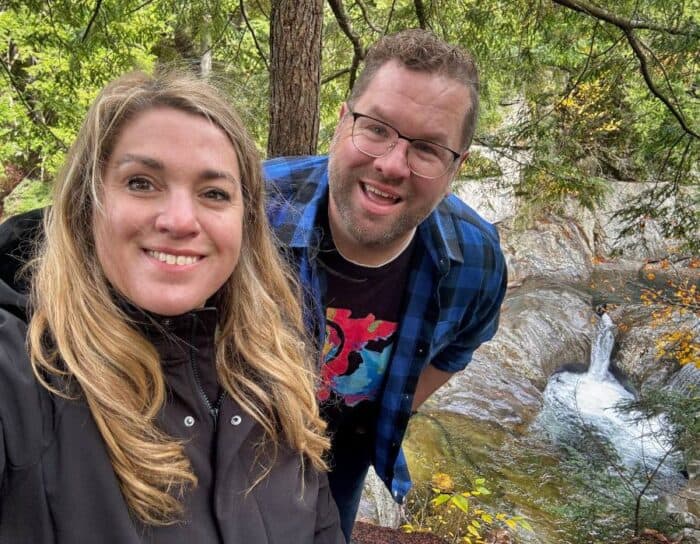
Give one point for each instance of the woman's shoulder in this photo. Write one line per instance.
(25, 405)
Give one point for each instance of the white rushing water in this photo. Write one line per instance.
(573, 401)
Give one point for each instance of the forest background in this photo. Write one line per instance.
(603, 93)
(608, 93)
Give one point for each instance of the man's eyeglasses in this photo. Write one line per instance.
(376, 138)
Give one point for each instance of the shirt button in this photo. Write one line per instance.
(236, 420)
(189, 421)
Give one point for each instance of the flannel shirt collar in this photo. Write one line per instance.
(307, 212)
(440, 235)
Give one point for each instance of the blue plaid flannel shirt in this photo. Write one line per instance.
(451, 305)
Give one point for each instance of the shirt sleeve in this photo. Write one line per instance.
(474, 332)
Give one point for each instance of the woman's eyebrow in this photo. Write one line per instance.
(218, 174)
(150, 162)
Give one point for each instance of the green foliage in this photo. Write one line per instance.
(457, 516)
(587, 115)
(478, 166)
(605, 513)
(53, 67)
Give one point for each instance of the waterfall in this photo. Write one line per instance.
(601, 349)
(588, 402)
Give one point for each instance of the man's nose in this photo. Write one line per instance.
(394, 164)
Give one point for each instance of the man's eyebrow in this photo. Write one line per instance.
(438, 137)
(146, 161)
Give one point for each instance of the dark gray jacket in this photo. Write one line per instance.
(57, 484)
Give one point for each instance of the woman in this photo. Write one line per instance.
(163, 393)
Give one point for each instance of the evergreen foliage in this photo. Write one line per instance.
(604, 94)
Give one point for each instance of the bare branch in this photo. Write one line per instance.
(365, 16)
(252, 33)
(335, 75)
(262, 10)
(344, 24)
(389, 17)
(599, 13)
(420, 14)
(139, 7)
(637, 48)
(95, 12)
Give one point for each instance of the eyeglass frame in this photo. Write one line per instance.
(400, 136)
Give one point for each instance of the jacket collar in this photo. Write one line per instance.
(174, 337)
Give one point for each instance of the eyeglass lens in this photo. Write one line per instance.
(376, 139)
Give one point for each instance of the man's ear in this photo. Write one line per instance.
(343, 110)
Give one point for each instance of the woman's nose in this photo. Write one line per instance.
(178, 216)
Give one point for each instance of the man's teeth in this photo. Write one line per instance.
(179, 260)
(380, 193)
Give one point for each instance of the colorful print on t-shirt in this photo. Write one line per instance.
(356, 354)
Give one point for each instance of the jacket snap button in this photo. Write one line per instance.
(236, 420)
(189, 421)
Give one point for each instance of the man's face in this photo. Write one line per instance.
(375, 203)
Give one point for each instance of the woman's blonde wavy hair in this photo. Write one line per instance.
(79, 334)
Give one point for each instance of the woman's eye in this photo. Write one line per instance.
(139, 184)
(217, 194)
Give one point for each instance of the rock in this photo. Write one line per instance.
(540, 330)
(376, 505)
(636, 346)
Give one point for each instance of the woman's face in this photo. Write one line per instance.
(170, 233)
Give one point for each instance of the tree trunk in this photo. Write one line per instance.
(295, 76)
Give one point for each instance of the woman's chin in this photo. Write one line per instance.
(169, 308)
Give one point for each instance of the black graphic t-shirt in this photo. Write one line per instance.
(362, 317)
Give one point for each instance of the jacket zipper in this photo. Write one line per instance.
(212, 408)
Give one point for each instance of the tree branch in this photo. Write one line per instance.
(139, 7)
(637, 48)
(420, 14)
(335, 75)
(344, 24)
(365, 16)
(599, 13)
(30, 111)
(95, 12)
(628, 27)
(389, 17)
(252, 33)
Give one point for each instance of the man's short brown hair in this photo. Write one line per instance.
(422, 51)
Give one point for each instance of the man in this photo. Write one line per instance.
(404, 280)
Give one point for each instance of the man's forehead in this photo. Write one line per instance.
(420, 104)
